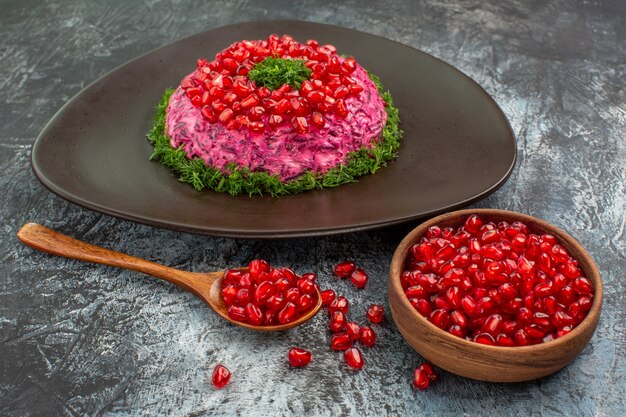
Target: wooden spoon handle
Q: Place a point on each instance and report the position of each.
(47, 240)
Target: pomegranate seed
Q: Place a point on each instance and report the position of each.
(582, 286)
(359, 278)
(275, 302)
(254, 314)
(263, 291)
(258, 266)
(375, 313)
(368, 336)
(229, 294)
(337, 321)
(243, 297)
(504, 340)
(473, 224)
(287, 314)
(354, 358)
(328, 296)
(340, 341)
(340, 108)
(429, 371)
(420, 379)
(221, 376)
(423, 307)
(339, 304)
(317, 119)
(485, 339)
(299, 357)
(237, 313)
(354, 330)
(306, 286)
(300, 124)
(292, 294)
(305, 302)
(344, 269)
(440, 318)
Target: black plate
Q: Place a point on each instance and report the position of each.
(458, 145)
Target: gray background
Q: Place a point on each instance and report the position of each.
(79, 339)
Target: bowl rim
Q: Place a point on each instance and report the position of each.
(587, 325)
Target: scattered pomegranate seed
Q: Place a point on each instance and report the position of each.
(339, 304)
(344, 269)
(420, 379)
(221, 376)
(340, 341)
(429, 371)
(328, 296)
(359, 278)
(368, 336)
(354, 358)
(375, 313)
(496, 284)
(299, 357)
(338, 321)
(354, 330)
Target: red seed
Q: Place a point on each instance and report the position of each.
(300, 124)
(306, 286)
(237, 313)
(368, 336)
(243, 297)
(473, 224)
(420, 379)
(423, 307)
(354, 358)
(440, 318)
(339, 304)
(338, 321)
(287, 314)
(340, 341)
(359, 278)
(354, 330)
(258, 266)
(229, 294)
(263, 291)
(344, 269)
(328, 296)
(299, 357)
(485, 339)
(254, 314)
(429, 370)
(275, 302)
(375, 313)
(292, 294)
(221, 376)
(582, 286)
(305, 303)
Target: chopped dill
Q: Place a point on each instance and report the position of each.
(240, 180)
(274, 72)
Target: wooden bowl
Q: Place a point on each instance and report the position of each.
(483, 362)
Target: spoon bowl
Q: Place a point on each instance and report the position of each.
(206, 286)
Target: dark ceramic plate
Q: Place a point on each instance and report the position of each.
(458, 145)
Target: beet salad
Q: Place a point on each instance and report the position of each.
(276, 117)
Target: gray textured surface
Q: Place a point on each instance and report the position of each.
(79, 339)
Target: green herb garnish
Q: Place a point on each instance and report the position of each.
(274, 72)
(239, 180)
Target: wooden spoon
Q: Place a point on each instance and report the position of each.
(206, 286)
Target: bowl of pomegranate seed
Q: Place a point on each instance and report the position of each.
(494, 295)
